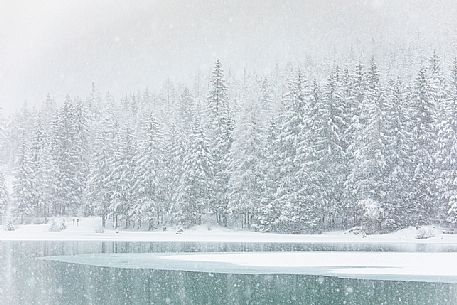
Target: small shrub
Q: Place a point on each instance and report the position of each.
(9, 227)
(357, 231)
(57, 226)
(424, 233)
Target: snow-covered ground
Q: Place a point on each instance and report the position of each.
(88, 226)
(406, 266)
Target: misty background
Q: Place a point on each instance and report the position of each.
(61, 47)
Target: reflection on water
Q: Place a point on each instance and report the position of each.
(25, 280)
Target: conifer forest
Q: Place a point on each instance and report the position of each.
(282, 152)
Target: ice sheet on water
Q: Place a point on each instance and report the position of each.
(409, 266)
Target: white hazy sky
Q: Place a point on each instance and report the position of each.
(60, 47)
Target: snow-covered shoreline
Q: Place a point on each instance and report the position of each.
(86, 232)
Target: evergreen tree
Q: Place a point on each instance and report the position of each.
(368, 151)
(176, 140)
(80, 149)
(37, 151)
(298, 213)
(67, 158)
(220, 130)
(245, 184)
(122, 177)
(354, 90)
(422, 113)
(396, 140)
(327, 156)
(195, 184)
(447, 183)
(149, 170)
(100, 172)
(268, 211)
(23, 183)
(4, 196)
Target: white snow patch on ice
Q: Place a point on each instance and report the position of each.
(405, 266)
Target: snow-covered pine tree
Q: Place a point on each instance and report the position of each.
(149, 163)
(4, 196)
(175, 142)
(422, 114)
(219, 132)
(67, 160)
(195, 184)
(99, 192)
(327, 168)
(368, 150)
(342, 91)
(266, 120)
(81, 150)
(268, 210)
(397, 142)
(245, 185)
(122, 177)
(46, 167)
(354, 89)
(447, 187)
(23, 182)
(442, 124)
(298, 213)
(36, 154)
(267, 106)
(186, 109)
(4, 145)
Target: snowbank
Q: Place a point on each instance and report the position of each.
(88, 226)
(429, 267)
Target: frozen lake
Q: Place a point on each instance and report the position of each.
(90, 272)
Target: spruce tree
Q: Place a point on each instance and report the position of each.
(447, 183)
(195, 184)
(328, 127)
(220, 130)
(23, 183)
(149, 170)
(397, 143)
(295, 201)
(4, 196)
(245, 184)
(99, 177)
(268, 211)
(422, 113)
(368, 151)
